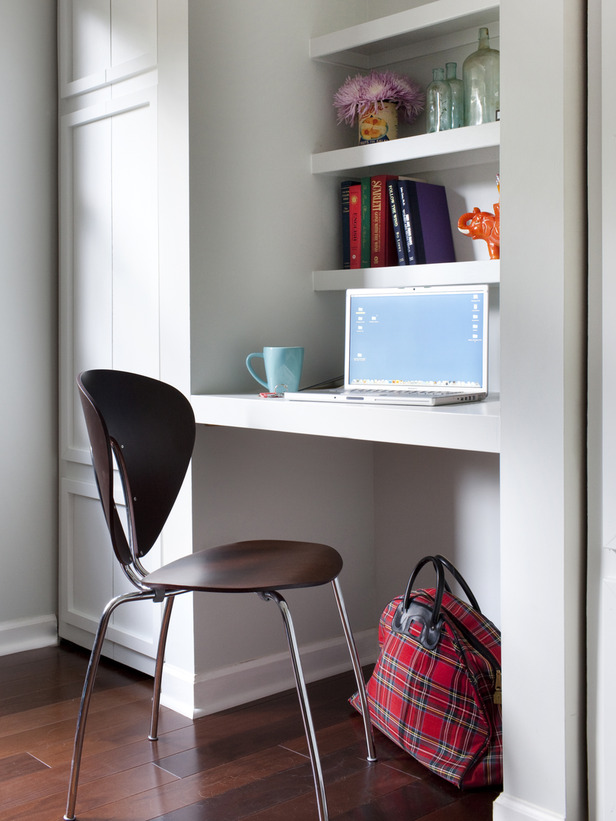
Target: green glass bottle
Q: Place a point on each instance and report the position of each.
(456, 87)
(438, 103)
(481, 77)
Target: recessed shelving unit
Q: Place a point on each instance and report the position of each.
(433, 27)
(438, 26)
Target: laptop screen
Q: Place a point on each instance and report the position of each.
(417, 338)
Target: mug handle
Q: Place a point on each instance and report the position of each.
(251, 371)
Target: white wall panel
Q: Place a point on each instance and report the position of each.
(105, 41)
(133, 30)
(109, 249)
(86, 578)
(89, 38)
(135, 241)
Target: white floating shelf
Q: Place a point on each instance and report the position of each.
(472, 145)
(455, 273)
(407, 34)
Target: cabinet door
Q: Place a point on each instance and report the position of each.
(109, 273)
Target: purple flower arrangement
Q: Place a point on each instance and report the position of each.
(362, 93)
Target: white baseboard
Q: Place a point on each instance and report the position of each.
(28, 634)
(508, 808)
(227, 687)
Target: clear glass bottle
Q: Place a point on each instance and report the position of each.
(480, 74)
(438, 103)
(456, 87)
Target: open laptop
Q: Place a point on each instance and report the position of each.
(413, 346)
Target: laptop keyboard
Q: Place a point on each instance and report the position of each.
(410, 394)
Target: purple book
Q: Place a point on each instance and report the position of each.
(430, 222)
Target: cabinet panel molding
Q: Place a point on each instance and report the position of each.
(108, 247)
(104, 42)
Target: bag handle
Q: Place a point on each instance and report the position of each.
(440, 585)
(429, 616)
(461, 581)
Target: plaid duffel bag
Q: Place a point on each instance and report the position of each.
(435, 689)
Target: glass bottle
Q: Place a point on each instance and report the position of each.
(438, 102)
(456, 87)
(480, 74)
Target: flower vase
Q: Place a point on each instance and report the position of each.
(379, 124)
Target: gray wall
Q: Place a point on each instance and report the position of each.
(28, 272)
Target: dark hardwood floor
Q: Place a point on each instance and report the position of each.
(249, 762)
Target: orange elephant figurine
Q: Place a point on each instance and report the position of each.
(483, 225)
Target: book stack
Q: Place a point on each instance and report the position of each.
(391, 220)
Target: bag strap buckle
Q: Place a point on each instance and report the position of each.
(415, 613)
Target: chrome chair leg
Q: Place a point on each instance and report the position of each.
(359, 676)
(86, 697)
(160, 661)
(302, 693)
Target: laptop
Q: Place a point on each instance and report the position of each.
(412, 346)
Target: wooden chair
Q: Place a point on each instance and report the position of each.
(148, 428)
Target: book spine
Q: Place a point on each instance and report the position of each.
(382, 243)
(355, 233)
(407, 230)
(431, 221)
(365, 222)
(345, 224)
(416, 226)
(396, 217)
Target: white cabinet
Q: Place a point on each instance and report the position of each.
(114, 300)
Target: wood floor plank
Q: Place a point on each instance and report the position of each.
(220, 751)
(106, 729)
(291, 795)
(56, 711)
(18, 765)
(31, 685)
(194, 789)
(92, 795)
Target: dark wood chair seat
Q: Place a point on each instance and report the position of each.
(250, 567)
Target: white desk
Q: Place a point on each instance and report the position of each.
(474, 427)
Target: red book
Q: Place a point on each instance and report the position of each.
(355, 225)
(382, 239)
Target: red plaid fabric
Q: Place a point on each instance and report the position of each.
(440, 705)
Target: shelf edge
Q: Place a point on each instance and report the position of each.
(421, 147)
(427, 20)
(475, 272)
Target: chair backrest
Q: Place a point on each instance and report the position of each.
(149, 427)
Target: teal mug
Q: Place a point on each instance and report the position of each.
(283, 368)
